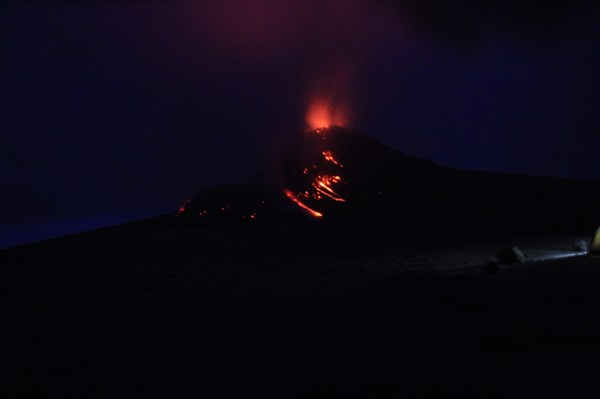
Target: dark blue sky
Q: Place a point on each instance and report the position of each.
(113, 111)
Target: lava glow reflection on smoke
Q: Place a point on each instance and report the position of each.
(322, 113)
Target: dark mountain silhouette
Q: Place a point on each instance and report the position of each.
(247, 293)
(342, 175)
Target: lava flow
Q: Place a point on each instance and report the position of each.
(315, 180)
(329, 157)
(320, 181)
(295, 199)
(323, 186)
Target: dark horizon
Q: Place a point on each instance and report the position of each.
(118, 111)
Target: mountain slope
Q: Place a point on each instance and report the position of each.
(336, 174)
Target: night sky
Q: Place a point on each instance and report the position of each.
(114, 111)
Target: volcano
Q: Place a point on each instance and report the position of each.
(345, 267)
(336, 175)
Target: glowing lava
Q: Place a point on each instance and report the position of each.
(320, 180)
(323, 186)
(295, 199)
(182, 208)
(322, 113)
(329, 157)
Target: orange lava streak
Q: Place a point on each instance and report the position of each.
(332, 196)
(328, 155)
(323, 185)
(293, 197)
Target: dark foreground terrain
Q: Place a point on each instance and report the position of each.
(151, 310)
